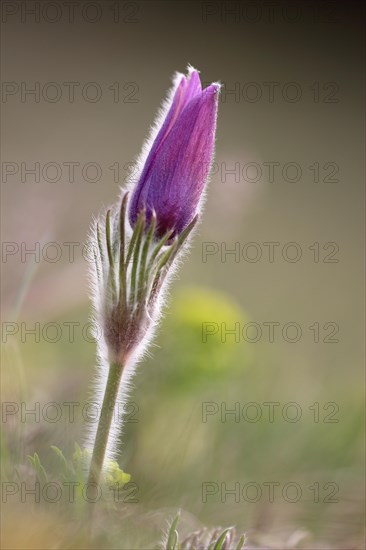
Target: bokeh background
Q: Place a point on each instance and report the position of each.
(311, 52)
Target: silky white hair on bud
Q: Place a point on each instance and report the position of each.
(99, 296)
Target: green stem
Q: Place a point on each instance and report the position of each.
(105, 421)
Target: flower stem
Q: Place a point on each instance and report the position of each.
(105, 421)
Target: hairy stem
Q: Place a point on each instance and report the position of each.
(105, 421)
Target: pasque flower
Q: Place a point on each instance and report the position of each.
(175, 172)
(136, 244)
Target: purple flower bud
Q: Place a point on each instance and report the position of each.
(178, 162)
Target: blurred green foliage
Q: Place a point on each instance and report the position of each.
(171, 446)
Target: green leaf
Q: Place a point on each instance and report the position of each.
(59, 453)
(136, 256)
(108, 235)
(114, 476)
(38, 468)
(241, 542)
(64, 462)
(184, 235)
(157, 249)
(135, 233)
(159, 276)
(173, 534)
(98, 270)
(122, 266)
(221, 539)
(145, 250)
(100, 245)
(78, 452)
(167, 259)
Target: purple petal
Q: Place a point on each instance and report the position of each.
(194, 87)
(185, 91)
(176, 171)
(175, 109)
